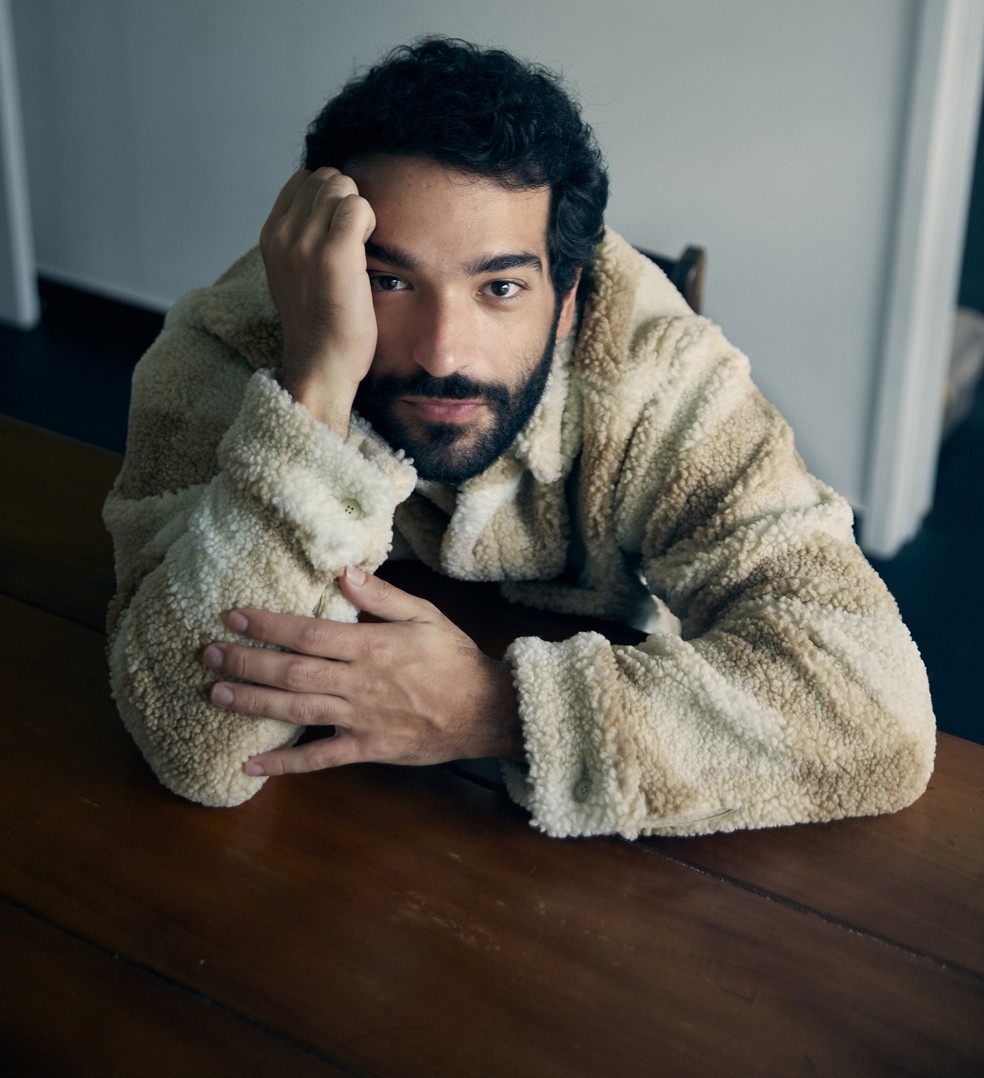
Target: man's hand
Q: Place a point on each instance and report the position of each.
(411, 688)
(313, 246)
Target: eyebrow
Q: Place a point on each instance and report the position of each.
(501, 263)
(396, 256)
(393, 256)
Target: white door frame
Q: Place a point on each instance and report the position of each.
(18, 287)
(942, 120)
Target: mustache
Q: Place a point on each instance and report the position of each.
(452, 387)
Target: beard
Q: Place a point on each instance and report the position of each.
(453, 452)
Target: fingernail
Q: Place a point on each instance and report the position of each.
(222, 695)
(355, 575)
(212, 656)
(239, 623)
(254, 769)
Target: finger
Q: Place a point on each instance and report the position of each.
(353, 216)
(384, 600)
(326, 752)
(288, 193)
(307, 195)
(297, 632)
(318, 198)
(300, 709)
(277, 669)
(285, 200)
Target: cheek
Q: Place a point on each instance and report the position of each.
(391, 342)
(516, 332)
(521, 346)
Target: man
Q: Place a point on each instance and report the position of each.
(443, 351)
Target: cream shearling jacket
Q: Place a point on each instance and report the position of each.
(653, 485)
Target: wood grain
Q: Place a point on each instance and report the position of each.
(406, 921)
(68, 1007)
(915, 878)
(55, 552)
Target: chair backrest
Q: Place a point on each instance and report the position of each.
(686, 272)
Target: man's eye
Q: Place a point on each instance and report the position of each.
(503, 289)
(385, 282)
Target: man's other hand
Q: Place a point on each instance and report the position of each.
(313, 247)
(411, 688)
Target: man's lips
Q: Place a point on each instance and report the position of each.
(444, 409)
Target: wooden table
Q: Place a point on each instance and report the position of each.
(410, 922)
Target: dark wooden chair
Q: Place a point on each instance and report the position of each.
(686, 272)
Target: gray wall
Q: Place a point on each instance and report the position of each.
(767, 130)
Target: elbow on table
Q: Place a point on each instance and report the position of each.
(196, 750)
(915, 751)
(198, 769)
(219, 788)
(891, 766)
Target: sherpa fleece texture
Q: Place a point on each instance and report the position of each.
(653, 484)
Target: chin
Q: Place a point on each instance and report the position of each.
(447, 463)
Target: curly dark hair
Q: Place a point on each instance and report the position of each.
(484, 112)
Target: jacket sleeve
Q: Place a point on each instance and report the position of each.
(793, 691)
(267, 514)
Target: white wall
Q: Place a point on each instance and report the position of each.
(767, 130)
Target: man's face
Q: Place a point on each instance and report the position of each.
(466, 312)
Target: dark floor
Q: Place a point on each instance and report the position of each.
(72, 374)
(938, 580)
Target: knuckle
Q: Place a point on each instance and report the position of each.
(326, 676)
(307, 711)
(352, 211)
(375, 648)
(345, 187)
(321, 753)
(430, 610)
(296, 674)
(384, 589)
(237, 661)
(245, 701)
(353, 202)
(312, 638)
(335, 187)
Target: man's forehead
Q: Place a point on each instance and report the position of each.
(425, 209)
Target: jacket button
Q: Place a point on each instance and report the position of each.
(351, 508)
(582, 790)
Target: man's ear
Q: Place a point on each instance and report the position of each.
(567, 307)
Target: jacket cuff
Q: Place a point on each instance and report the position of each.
(337, 496)
(570, 784)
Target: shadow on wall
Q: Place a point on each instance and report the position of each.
(972, 272)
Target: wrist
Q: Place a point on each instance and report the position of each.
(503, 712)
(329, 403)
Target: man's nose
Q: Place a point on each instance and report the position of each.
(444, 338)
